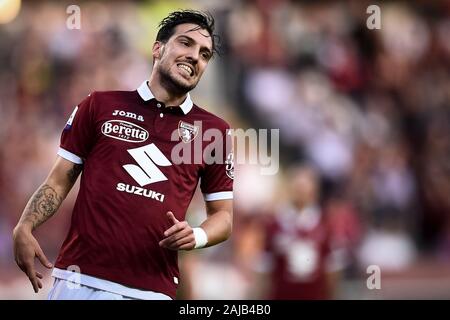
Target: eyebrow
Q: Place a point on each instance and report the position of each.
(204, 48)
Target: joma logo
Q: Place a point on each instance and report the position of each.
(128, 115)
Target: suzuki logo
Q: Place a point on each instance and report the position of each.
(147, 157)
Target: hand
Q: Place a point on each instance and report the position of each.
(179, 236)
(26, 248)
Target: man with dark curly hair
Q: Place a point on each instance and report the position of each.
(128, 222)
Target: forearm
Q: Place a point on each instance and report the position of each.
(218, 227)
(44, 203)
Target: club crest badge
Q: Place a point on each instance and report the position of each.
(187, 132)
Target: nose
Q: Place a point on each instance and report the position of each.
(193, 55)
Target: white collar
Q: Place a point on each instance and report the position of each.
(146, 95)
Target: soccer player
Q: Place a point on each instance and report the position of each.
(299, 256)
(128, 222)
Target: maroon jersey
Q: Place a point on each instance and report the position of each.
(125, 140)
(298, 246)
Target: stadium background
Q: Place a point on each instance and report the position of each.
(369, 108)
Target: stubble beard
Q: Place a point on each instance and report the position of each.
(174, 85)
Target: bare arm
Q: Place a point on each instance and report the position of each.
(48, 197)
(217, 227)
(219, 223)
(42, 205)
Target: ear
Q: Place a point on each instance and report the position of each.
(157, 50)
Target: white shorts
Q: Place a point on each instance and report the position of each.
(71, 285)
(65, 290)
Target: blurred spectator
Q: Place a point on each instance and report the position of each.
(300, 255)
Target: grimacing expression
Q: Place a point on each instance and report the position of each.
(182, 60)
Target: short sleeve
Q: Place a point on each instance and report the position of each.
(78, 134)
(217, 178)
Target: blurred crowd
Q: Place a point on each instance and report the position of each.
(364, 135)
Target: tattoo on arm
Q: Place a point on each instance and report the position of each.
(44, 203)
(73, 173)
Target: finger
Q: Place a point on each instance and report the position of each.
(181, 243)
(175, 228)
(171, 217)
(42, 258)
(178, 236)
(35, 287)
(34, 283)
(187, 246)
(164, 243)
(39, 275)
(175, 245)
(29, 270)
(28, 267)
(21, 266)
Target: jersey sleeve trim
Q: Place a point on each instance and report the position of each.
(223, 195)
(70, 156)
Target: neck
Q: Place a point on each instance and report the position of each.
(161, 93)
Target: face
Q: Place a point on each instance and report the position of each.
(304, 187)
(182, 60)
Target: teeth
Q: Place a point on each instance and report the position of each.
(185, 67)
